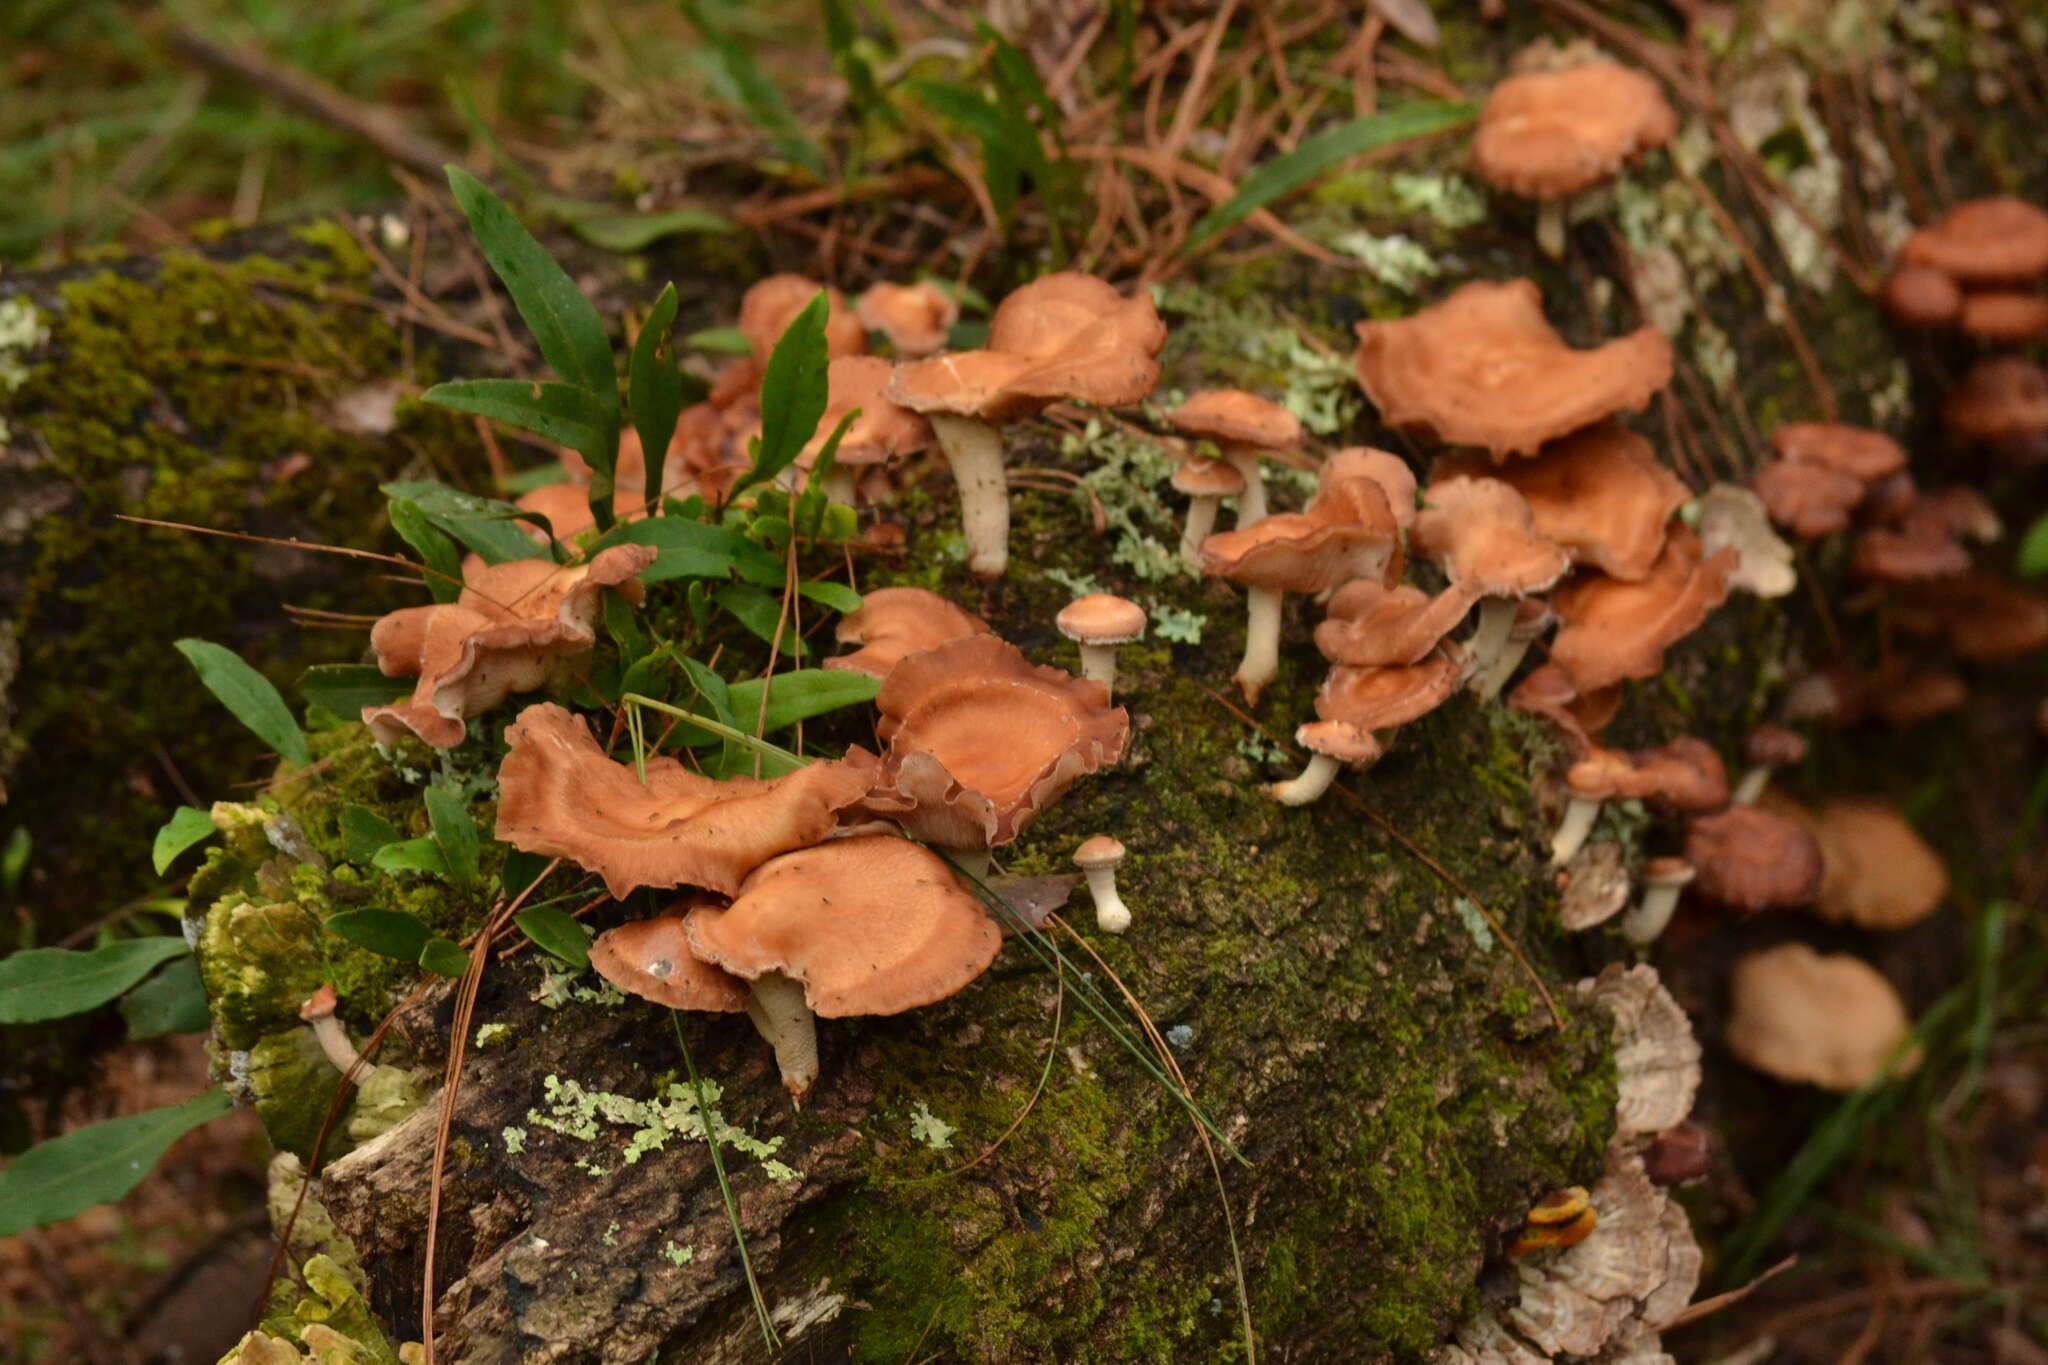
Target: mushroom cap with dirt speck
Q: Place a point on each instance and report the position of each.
(915, 317)
(1547, 134)
(1999, 398)
(1684, 775)
(1375, 698)
(1481, 532)
(1809, 500)
(1208, 478)
(981, 740)
(1922, 297)
(1101, 618)
(1600, 493)
(1239, 418)
(1876, 870)
(873, 925)
(891, 623)
(560, 796)
(1830, 1021)
(1369, 625)
(1347, 531)
(1751, 859)
(883, 433)
(1384, 468)
(1101, 851)
(1485, 368)
(1656, 1057)
(1612, 630)
(652, 959)
(1983, 241)
(1859, 452)
(770, 305)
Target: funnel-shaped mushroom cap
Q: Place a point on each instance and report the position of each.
(767, 309)
(1828, 1021)
(1481, 532)
(1809, 500)
(1921, 296)
(1983, 241)
(1546, 134)
(1750, 859)
(883, 433)
(915, 317)
(1656, 1058)
(1859, 452)
(651, 958)
(1876, 870)
(1548, 691)
(559, 795)
(1999, 398)
(503, 634)
(872, 925)
(1347, 531)
(1615, 630)
(1371, 626)
(1982, 617)
(1375, 698)
(1600, 493)
(894, 622)
(981, 740)
(1237, 418)
(1064, 336)
(1384, 468)
(1484, 368)
(1208, 478)
(1685, 775)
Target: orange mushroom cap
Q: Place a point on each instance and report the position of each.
(1239, 418)
(1485, 368)
(2004, 316)
(651, 958)
(1384, 468)
(1809, 500)
(560, 796)
(1997, 399)
(1685, 775)
(1101, 618)
(1547, 134)
(1347, 531)
(915, 317)
(1751, 859)
(1548, 691)
(1859, 452)
(1207, 478)
(769, 306)
(1373, 626)
(1338, 739)
(883, 433)
(1612, 630)
(1983, 241)
(1907, 555)
(1375, 698)
(1481, 532)
(981, 741)
(873, 925)
(891, 623)
(1921, 296)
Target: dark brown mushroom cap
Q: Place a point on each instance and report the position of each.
(1983, 241)
(1485, 368)
(893, 622)
(1921, 296)
(1861, 453)
(1546, 134)
(1685, 775)
(558, 795)
(1375, 698)
(1998, 398)
(1600, 493)
(1750, 859)
(1373, 626)
(1982, 617)
(871, 925)
(651, 958)
(883, 433)
(1208, 478)
(915, 317)
(1809, 500)
(2004, 317)
(1101, 618)
(981, 740)
(1774, 746)
(1612, 630)
(1883, 554)
(1384, 468)
(769, 306)
(1347, 531)
(1958, 511)
(1238, 418)
(1481, 532)
(1678, 1156)
(1341, 740)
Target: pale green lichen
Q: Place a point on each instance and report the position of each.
(928, 1128)
(1451, 201)
(1475, 924)
(584, 1115)
(1395, 260)
(515, 1140)
(1177, 624)
(489, 1034)
(676, 1255)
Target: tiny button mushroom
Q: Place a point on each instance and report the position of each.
(1207, 483)
(1684, 775)
(2001, 402)
(1098, 623)
(1244, 426)
(1331, 744)
(1767, 749)
(1098, 860)
(1680, 1155)
(329, 1032)
(1663, 880)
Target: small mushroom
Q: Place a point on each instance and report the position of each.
(883, 434)
(2001, 402)
(1982, 618)
(2004, 316)
(1680, 1155)
(1684, 775)
(329, 1032)
(1988, 241)
(1355, 703)
(1768, 748)
(1098, 859)
(1481, 533)
(1549, 692)
(1831, 1021)
(1370, 625)
(915, 317)
(1750, 859)
(652, 959)
(1809, 500)
(892, 623)
(770, 305)
(1663, 880)
(1656, 1057)
(1534, 616)
(1612, 630)
(1244, 427)
(1207, 483)
(1921, 297)
(1862, 453)
(1876, 870)
(1099, 622)
(1331, 745)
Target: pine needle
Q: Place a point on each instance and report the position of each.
(709, 1119)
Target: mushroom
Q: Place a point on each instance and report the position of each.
(1549, 135)
(2001, 402)
(1098, 623)
(1481, 533)
(1533, 617)
(502, 634)
(1064, 336)
(329, 1032)
(1809, 500)
(1331, 745)
(1207, 483)
(1663, 880)
(1485, 368)
(1831, 1021)
(915, 317)
(652, 959)
(1734, 519)
(1684, 775)
(1612, 630)
(891, 623)
(558, 795)
(1859, 452)
(1983, 242)
(2000, 316)
(872, 925)
(1768, 748)
(1370, 625)
(1356, 702)
(1549, 692)
(1384, 468)
(1750, 859)
(1098, 859)
(1656, 1057)
(1680, 1155)
(1562, 1218)
(1347, 531)
(1244, 426)
(981, 740)
(770, 305)
(881, 435)
(567, 505)
(1876, 870)
(1922, 297)
(1981, 617)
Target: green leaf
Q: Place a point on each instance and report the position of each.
(520, 482)
(14, 857)
(557, 933)
(719, 341)
(837, 596)
(759, 613)
(412, 855)
(793, 395)
(654, 390)
(387, 933)
(363, 832)
(564, 413)
(628, 232)
(346, 689)
(439, 553)
(95, 1164)
(564, 324)
(1002, 157)
(444, 957)
(521, 870)
(1322, 152)
(694, 549)
(757, 94)
(54, 983)
(485, 525)
(187, 826)
(172, 1001)
(455, 833)
(799, 695)
(249, 695)
(2032, 561)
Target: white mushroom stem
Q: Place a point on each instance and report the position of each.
(1550, 224)
(1251, 504)
(783, 1017)
(1315, 779)
(975, 451)
(333, 1039)
(839, 484)
(1754, 780)
(1494, 634)
(1201, 523)
(1579, 816)
(1112, 916)
(1645, 922)
(1098, 664)
(1261, 641)
(1492, 678)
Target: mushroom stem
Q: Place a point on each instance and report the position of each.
(1112, 916)
(1261, 641)
(1201, 522)
(1491, 639)
(1754, 780)
(839, 484)
(1646, 921)
(333, 1039)
(1315, 779)
(974, 449)
(783, 1017)
(1098, 664)
(1491, 679)
(1251, 504)
(1550, 224)
(1579, 816)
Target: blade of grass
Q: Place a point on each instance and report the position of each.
(709, 1119)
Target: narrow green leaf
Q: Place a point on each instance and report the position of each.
(387, 933)
(187, 826)
(95, 1164)
(2032, 561)
(443, 957)
(345, 689)
(485, 525)
(14, 856)
(793, 395)
(172, 1001)
(629, 232)
(520, 482)
(521, 870)
(719, 341)
(837, 596)
(759, 613)
(565, 413)
(455, 833)
(1320, 153)
(249, 696)
(434, 547)
(55, 983)
(1002, 156)
(567, 328)
(412, 855)
(555, 932)
(654, 390)
(363, 832)
(800, 694)
(757, 94)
